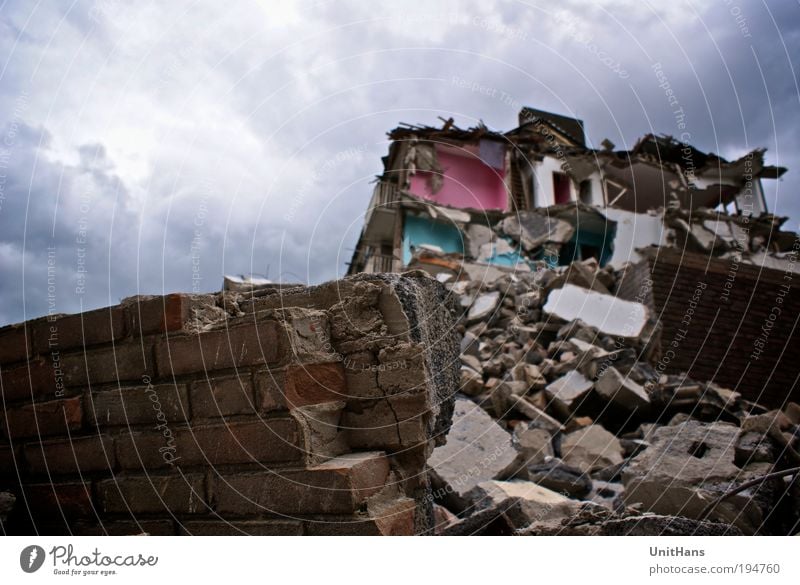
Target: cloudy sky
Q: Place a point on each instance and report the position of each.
(149, 147)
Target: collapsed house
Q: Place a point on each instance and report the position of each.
(441, 186)
(476, 206)
(621, 346)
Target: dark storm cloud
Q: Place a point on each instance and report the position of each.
(196, 142)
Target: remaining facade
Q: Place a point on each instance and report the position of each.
(440, 186)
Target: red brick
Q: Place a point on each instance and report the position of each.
(301, 385)
(402, 369)
(217, 397)
(158, 314)
(55, 417)
(148, 404)
(770, 380)
(242, 528)
(396, 423)
(64, 332)
(15, 343)
(178, 494)
(10, 460)
(338, 486)
(78, 455)
(314, 384)
(145, 450)
(270, 390)
(51, 500)
(37, 377)
(125, 528)
(263, 441)
(355, 525)
(125, 362)
(395, 520)
(361, 374)
(398, 520)
(244, 345)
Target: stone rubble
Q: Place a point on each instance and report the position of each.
(477, 450)
(561, 411)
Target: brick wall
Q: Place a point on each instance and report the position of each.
(717, 334)
(302, 411)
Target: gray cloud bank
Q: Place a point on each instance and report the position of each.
(146, 149)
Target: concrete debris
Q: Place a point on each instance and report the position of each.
(687, 465)
(494, 249)
(792, 412)
(534, 445)
(504, 519)
(608, 494)
(537, 503)
(477, 450)
(591, 448)
(531, 375)
(483, 307)
(583, 274)
(570, 374)
(533, 230)
(470, 345)
(562, 391)
(471, 381)
(747, 239)
(562, 478)
(753, 447)
(538, 417)
(568, 390)
(472, 362)
(443, 519)
(587, 348)
(587, 522)
(609, 314)
(478, 236)
(621, 390)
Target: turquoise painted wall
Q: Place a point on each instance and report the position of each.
(421, 230)
(508, 259)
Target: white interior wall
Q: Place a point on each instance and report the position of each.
(634, 230)
(597, 189)
(543, 195)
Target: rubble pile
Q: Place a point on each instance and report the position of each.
(565, 424)
(526, 240)
(614, 307)
(755, 240)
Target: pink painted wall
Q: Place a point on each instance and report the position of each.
(468, 182)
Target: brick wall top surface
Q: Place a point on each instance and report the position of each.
(733, 324)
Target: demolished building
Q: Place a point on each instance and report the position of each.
(618, 314)
(582, 342)
(437, 180)
(476, 205)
